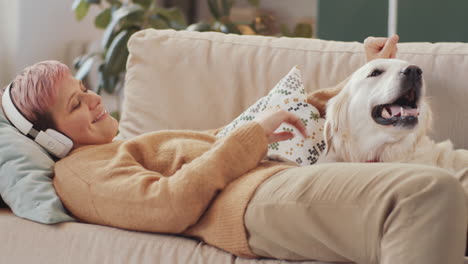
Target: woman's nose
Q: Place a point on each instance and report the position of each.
(92, 99)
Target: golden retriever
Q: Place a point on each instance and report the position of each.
(382, 115)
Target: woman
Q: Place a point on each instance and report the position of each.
(225, 193)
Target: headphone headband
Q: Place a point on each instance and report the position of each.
(54, 142)
(13, 114)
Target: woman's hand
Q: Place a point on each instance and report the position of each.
(270, 120)
(381, 48)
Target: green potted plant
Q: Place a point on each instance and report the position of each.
(121, 18)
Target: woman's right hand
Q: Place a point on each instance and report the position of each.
(271, 119)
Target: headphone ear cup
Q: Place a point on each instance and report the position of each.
(59, 136)
(56, 143)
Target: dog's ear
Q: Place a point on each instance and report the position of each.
(320, 98)
(336, 116)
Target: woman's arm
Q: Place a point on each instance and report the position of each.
(123, 193)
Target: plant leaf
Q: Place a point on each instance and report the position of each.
(78, 61)
(226, 6)
(103, 18)
(80, 7)
(109, 34)
(116, 115)
(303, 30)
(107, 81)
(85, 68)
(117, 16)
(174, 17)
(125, 11)
(255, 3)
(158, 22)
(285, 31)
(177, 19)
(229, 28)
(117, 52)
(225, 27)
(112, 82)
(214, 9)
(200, 26)
(144, 3)
(116, 58)
(113, 2)
(101, 78)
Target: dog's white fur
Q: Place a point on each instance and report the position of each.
(353, 136)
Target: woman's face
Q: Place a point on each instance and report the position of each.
(80, 114)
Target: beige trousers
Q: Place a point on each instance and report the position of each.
(364, 213)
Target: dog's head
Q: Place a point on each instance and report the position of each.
(382, 103)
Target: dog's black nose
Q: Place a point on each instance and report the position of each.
(411, 84)
(412, 72)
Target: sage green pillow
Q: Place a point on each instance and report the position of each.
(26, 172)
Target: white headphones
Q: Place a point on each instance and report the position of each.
(53, 141)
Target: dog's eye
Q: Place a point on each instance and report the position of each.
(375, 73)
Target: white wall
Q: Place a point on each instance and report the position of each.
(37, 30)
(8, 37)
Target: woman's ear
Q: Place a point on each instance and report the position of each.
(320, 98)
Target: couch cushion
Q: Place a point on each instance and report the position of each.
(77, 243)
(176, 78)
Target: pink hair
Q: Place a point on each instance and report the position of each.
(35, 88)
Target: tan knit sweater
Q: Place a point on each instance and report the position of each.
(170, 181)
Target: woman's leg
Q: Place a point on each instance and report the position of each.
(364, 213)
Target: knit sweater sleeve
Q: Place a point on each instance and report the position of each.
(137, 198)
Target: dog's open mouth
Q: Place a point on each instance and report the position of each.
(402, 112)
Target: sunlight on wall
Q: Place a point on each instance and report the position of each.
(40, 30)
(8, 37)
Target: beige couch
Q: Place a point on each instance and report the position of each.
(190, 80)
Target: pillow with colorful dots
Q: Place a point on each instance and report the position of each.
(289, 94)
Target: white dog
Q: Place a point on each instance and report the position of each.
(382, 115)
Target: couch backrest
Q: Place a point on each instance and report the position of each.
(193, 80)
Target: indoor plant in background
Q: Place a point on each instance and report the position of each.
(121, 18)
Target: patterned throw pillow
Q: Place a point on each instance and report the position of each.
(289, 94)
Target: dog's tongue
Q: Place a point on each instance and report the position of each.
(397, 110)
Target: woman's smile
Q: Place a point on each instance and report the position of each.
(101, 116)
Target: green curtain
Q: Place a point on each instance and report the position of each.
(418, 20)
